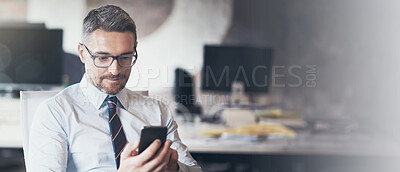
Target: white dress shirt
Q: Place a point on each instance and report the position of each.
(70, 131)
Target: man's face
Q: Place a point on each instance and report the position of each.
(102, 43)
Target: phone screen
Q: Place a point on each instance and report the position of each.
(151, 133)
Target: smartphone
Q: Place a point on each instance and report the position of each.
(151, 133)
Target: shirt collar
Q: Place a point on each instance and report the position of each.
(97, 97)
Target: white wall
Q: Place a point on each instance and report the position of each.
(61, 14)
(179, 42)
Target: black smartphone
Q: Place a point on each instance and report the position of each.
(151, 133)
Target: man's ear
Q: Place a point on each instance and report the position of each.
(80, 52)
(136, 44)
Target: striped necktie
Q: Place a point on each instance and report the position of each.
(116, 131)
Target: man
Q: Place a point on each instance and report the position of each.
(95, 125)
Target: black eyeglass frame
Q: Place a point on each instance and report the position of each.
(135, 55)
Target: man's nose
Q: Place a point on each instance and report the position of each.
(114, 68)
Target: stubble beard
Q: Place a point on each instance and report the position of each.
(113, 88)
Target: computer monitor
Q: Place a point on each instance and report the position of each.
(30, 59)
(224, 65)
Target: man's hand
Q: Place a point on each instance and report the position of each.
(172, 166)
(149, 160)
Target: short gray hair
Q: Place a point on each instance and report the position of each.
(110, 18)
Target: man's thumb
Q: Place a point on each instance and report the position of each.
(130, 150)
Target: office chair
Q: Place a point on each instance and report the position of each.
(30, 100)
(184, 93)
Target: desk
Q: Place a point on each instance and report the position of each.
(310, 145)
(300, 154)
(305, 142)
(307, 152)
(10, 124)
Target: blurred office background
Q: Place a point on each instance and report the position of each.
(351, 44)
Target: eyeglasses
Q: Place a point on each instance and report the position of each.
(127, 60)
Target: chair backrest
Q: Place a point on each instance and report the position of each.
(30, 100)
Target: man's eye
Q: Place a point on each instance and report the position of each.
(125, 57)
(103, 58)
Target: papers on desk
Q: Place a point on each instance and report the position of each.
(251, 132)
(291, 119)
(244, 137)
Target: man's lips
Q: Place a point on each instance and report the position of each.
(114, 78)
